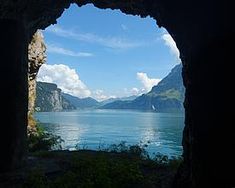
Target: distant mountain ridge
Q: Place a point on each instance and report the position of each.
(167, 96)
(81, 103)
(110, 100)
(51, 98)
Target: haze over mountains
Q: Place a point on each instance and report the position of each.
(167, 96)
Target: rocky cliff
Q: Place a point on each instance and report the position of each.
(36, 57)
(49, 98)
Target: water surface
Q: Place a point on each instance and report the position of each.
(94, 129)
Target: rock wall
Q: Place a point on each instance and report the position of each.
(49, 98)
(14, 87)
(204, 33)
(36, 57)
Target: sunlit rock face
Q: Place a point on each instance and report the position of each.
(36, 54)
(49, 98)
(203, 32)
(36, 57)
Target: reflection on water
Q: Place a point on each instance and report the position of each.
(162, 132)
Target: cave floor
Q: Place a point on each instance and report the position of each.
(88, 169)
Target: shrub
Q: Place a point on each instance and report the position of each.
(135, 150)
(41, 140)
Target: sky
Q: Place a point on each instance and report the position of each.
(106, 54)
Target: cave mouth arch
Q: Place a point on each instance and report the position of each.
(172, 61)
(201, 29)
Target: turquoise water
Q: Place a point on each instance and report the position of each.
(93, 129)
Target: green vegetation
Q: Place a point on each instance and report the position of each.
(134, 150)
(40, 140)
(118, 165)
(168, 94)
(91, 169)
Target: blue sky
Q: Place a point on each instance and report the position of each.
(105, 53)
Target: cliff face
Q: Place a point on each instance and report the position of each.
(49, 98)
(37, 57)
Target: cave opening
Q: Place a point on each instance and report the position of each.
(91, 62)
(203, 33)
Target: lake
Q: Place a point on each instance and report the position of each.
(94, 129)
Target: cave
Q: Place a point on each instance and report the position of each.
(204, 34)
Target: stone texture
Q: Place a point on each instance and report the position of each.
(36, 54)
(49, 98)
(203, 31)
(36, 58)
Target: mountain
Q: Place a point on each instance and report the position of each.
(111, 100)
(130, 98)
(81, 103)
(167, 96)
(49, 98)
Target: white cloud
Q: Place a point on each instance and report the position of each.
(100, 96)
(66, 79)
(132, 91)
(169, 41)
(135, 91)
(147, 82)
(51, 48)
(111, 42)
